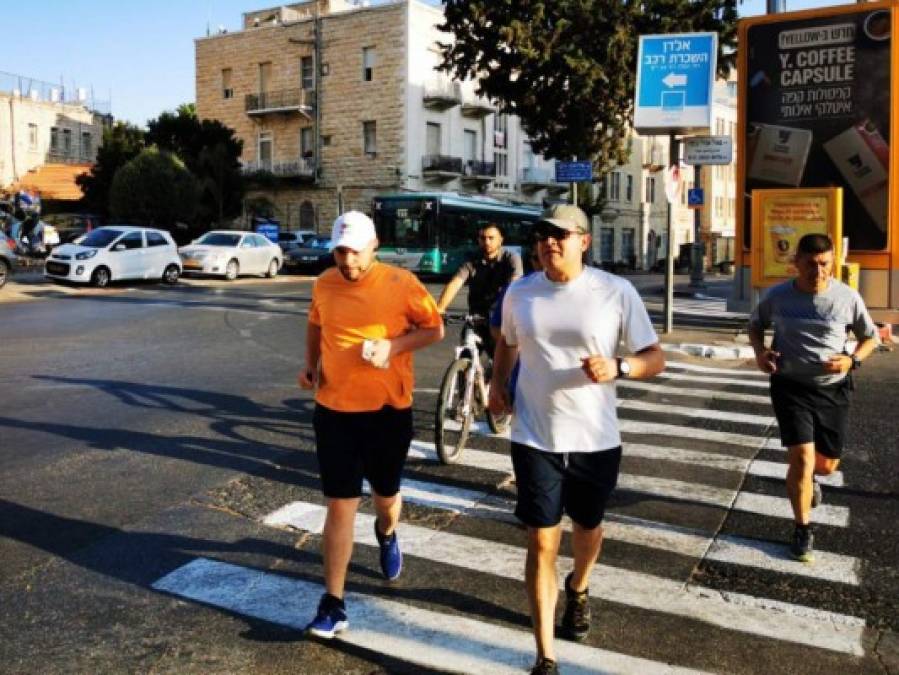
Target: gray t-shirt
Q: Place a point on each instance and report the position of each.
(809, 328)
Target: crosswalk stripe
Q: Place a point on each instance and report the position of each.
(419, 636)
(732, 611)
(713, 394)
(710, 379)
(696, 413)
(684, 365)
(777, 507)
(766, 469)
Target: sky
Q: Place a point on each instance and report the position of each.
(139, 55)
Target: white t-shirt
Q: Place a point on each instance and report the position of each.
(556, 325)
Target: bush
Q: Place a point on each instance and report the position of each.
(154, 189)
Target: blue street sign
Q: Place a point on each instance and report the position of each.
(574, 172)
(268, 230)
(695, 198)
(675, 78)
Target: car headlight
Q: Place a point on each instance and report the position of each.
(84, 255)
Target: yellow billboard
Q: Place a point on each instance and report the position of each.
(780, 218)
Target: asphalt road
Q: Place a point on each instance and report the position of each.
(147, 433)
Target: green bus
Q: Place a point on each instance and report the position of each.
(432, 233)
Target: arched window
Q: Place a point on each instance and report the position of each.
(307, 216)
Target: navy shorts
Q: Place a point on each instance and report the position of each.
(812, 414)
(576, 483)
(351, 446)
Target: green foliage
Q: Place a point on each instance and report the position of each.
(121, 143)
(567, 68)
(154, 188)
(211, 152)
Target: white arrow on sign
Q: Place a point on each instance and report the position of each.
(672, 80)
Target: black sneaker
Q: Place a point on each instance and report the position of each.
(802, 546)
(817, 493)
(391, 556)
(576, 619)
(330, 619)
(545, 666)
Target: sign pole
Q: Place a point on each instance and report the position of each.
(668, 325)
(698, 262)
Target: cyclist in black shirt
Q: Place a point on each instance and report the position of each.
(486, 274)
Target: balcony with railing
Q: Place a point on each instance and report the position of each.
(441, 93)
(532, 179)
(441, 167)
(478, 172)
(303, 167)
(281, 101)
(477, 107)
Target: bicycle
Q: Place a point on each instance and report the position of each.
(463, 394)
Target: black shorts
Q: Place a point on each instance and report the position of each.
(351, 446)
(578, 483)
(812, 414)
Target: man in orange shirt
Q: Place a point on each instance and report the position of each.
(365, 321)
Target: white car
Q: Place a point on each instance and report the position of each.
(116, 252)
(230, 253)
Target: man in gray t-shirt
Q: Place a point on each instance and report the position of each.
(809, 365)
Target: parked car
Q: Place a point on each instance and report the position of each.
(70, 226)
(288, 241)
(8, 258)
(229, 253)
(314, 256)
(116, 252)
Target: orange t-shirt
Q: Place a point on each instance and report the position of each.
(386, 303)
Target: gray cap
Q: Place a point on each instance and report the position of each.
(568, 217)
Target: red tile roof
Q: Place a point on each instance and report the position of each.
(54, 181)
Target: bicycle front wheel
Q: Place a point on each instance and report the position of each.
(452, 423)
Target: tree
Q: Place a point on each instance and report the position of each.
(211, 152)
(121, 143)
(567, 68)
(154, 188)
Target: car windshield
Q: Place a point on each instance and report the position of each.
(219, 239)
(319, 242)
(100, 238)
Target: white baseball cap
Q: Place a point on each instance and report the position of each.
(354, 230)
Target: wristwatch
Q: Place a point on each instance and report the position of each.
(856, 362)
(624, 368)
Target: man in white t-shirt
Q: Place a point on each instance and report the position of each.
(565, 325)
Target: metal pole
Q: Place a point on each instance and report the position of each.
(697, 263)
(776, 6)
(574, 193)
(668, 325)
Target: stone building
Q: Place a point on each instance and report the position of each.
(336, 103)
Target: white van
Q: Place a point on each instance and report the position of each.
(116, 252)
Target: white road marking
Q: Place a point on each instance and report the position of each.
(694, 457)
(716, 371)
(714, 394)
(436, 640)
(732, 611)
(710, 379)
(696, 413)
(766, 469)
(426, 390)
(779, 507)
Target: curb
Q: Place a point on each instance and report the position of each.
(736, 352)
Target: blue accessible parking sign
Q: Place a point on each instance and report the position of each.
(675, 77)
(695, 198)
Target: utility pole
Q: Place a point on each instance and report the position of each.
(673, 160)
(697, 259)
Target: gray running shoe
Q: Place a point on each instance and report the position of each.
(802, 546)
(817, 493)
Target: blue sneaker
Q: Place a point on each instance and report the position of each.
(391, 556)
(330, 619)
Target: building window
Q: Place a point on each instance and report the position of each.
(86, 144)
(32, 136)
(368, 64)
(607, 244)
(432, 139)
(500, 129)
(629, 190)
(469, 146)
(326, 141)
(627, 245)
(307, 73)
(264, 150)
(54, 139)
(67, 141)
(650, 190)
(614, 186)
(370, 137)
(265, 76)
(307, 149)
(227, 90)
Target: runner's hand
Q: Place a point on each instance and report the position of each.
(839, 363)
(498, 401)
(767, 361)
(599, 368)
(307, 378)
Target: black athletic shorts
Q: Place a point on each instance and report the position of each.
(578, 483)
(812, 414)
(351, 446)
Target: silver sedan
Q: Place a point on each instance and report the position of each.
(230, 253)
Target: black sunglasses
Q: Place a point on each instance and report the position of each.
(544, 231)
